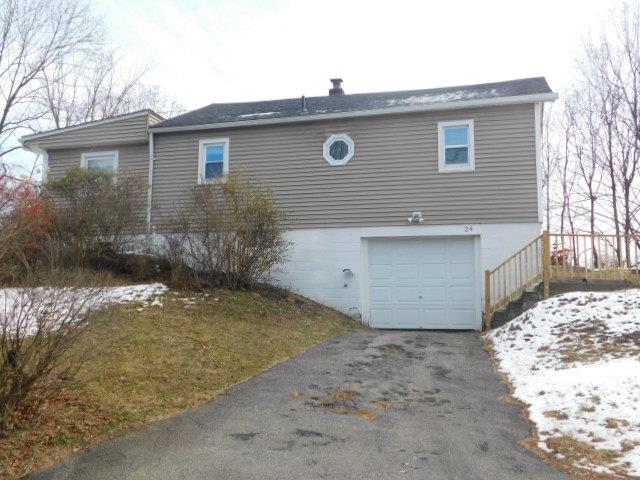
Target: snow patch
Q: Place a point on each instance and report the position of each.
(454, 96)
(575, 361)
(38, 301)
(258, 114)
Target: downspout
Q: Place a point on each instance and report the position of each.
(150, 190)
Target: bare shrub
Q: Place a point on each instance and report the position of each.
(96, 218)
(227, 234)
(38, 326)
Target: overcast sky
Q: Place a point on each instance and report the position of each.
(204, 51)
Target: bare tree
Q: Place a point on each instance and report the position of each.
(95, 85)
(596, 184)
(611, 71)
(586, 148)
(34, 34)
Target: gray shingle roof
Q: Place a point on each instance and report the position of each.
(292, 107)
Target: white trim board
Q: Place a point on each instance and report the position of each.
(326, 146)
(202, 180)
(470, 166)
(518, 99)
(84, 159)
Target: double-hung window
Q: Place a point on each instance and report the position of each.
(100, 161)
(214, 160)
(455, 146)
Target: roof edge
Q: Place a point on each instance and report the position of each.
(516, 99)
(37, 136)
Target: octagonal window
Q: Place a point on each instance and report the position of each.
(338, 149)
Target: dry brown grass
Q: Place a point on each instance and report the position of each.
(582, 453)
(556, 414)
(159, 361)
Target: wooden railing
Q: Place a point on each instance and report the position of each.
(506, 282)
(594, 257)
(561, 256)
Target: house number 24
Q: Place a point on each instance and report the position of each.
(468, 228)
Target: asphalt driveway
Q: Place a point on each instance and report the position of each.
(406, 405)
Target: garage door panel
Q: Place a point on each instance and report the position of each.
(462, 270)
(422, 283)
(463, 318)
(433, 270)
(433, 248)
(460, 246)
(407, 294)
(382, 317)
(434, 318)
(406, 271)
(461, 294)
(380, 272)
(381, 294)
(408, 317)
(434, 294)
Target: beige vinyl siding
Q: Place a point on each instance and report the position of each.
(154, 118)
(394, 170)
(127, 130)
(133, 160)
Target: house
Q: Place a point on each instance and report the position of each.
(397, 201)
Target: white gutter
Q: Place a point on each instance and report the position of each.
(150, 188)
(485, 102)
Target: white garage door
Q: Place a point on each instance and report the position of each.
(422, 283)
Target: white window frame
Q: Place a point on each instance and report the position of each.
(85, 156)
(327, 146)
(442, 165)
(202, 160)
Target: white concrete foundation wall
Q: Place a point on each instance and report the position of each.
(318, 257)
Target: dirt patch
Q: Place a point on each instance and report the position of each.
(343, 396)
(343, 403)
(382, 405)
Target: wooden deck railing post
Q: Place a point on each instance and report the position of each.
(487, 300)
(546, 263)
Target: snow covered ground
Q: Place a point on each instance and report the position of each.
(575, 361)
(32, 305)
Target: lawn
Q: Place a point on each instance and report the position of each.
(153, 362)
(574, 362)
